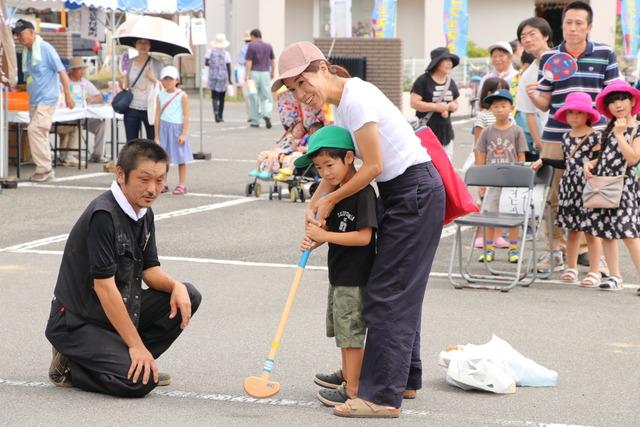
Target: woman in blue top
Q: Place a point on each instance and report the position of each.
(410, 221)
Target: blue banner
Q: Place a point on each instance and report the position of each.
(383, 19)
(456, 25)
(630, 24)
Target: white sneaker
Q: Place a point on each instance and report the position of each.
(545, 264)
(69, 161)
(43, 176)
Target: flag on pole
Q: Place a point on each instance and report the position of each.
(456, 28)
(630, 25)
(383, 19)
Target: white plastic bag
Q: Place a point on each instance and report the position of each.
(481, 374)
(152, 99)
(204, 77)
(466, 365)
(231, 90)
(251, 86)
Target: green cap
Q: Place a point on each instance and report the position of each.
(326, 137)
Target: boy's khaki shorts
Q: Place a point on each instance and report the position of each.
(344, 316)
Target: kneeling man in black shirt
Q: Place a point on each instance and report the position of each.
(106, 330)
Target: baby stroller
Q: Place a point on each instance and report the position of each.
(290, 112)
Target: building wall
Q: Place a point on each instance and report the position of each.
(491, 20)
(272, 23)
(604, 21)
(299, 21)
(384, 61)
(410, 18)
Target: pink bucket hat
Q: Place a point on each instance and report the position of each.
(294, 60)
(617, 86)
(577, 101)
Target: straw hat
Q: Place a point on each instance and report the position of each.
(247, 36)
(220, 41)
(77, 62)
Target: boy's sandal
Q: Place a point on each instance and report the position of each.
(570, 275)
(333, 397)
(165, 189)
(591, 280)
(611, 283)
(179, 190)
(359, 408)
(333, 380)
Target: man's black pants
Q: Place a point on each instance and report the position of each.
(99, 358)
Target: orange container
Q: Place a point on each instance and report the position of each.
(18, 101)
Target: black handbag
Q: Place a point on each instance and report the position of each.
(122, 100)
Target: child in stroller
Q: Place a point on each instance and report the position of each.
(277, 164)
(297, 177)
(270, 161)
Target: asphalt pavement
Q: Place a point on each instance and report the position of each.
(241, 252)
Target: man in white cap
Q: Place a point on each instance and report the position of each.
(85, 93)
(502, 61)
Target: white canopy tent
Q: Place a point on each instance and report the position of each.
(141, 6)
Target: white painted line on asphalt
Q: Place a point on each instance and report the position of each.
(24, 247)
(78, 177)
(217, 397)
(36, 243)
(90, 188)
(173, 214)
(205, 208)
(463, 121)
(436, 274)
(217, 159)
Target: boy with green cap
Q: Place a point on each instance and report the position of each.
(349, 231)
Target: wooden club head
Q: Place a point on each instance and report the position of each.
(260, 388)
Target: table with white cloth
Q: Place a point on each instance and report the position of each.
(63, 117)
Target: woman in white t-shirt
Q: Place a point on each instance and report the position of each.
(411, 215)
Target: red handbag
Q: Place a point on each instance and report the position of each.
(458, 199)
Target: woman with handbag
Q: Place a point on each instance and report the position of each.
(434, 95)
(580, 144)
(140, 80)
(612, 190)
(218, 60)
(411, 212)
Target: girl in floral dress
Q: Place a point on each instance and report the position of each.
(619, 155)
(578, 145)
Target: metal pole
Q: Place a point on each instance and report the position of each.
(114, 123)
(199, 62)
(4, 152)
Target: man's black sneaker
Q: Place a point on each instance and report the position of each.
(163, 379)
(267, 122)
(334, 397)
(59, 373)
(331, 381)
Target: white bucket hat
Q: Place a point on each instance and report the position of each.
(220, 41)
